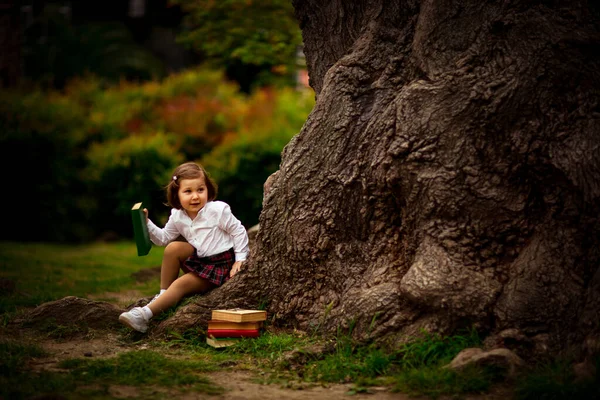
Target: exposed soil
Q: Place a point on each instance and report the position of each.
(242, 384)
(239, 383)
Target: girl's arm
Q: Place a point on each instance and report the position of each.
(162, 237)
(230, 224)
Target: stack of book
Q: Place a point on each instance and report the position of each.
(226, 327)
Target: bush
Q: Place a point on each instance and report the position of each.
(41, 152)
(87, 153)
(107, 49)
(127, 171)
(243, 162)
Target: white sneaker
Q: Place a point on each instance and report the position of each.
(135, 319)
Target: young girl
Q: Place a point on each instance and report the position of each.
(217, 243)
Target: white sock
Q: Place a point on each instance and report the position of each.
(162, 291)
(147, 312)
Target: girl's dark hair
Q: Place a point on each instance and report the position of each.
(188, 170)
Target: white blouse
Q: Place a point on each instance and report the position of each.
(214, 230)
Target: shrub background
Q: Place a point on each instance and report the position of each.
(74, 161)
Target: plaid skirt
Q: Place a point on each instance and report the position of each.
(213, 268)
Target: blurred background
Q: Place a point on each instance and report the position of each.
(100, 100)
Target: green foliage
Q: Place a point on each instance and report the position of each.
(242, 163)
(126, 171)
(56, 50)
(41, 148)
(196, 105)
(93, 149)
(255, 32)
(241, 34)
(241, 170)
(254, 41)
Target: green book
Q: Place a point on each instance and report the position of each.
(140, 230)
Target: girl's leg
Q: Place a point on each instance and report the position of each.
(184, 285)
(175, 254)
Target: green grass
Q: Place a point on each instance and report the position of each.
(267, 349)
(415, 368)
(421, 364)
(13, 356)
(350, 362)
(143, 369)
(56, 271)
(148, 371)
(16, 379)
(435, 381)
(45, 272)
(432, 349)
(269, 346)
(555, 380)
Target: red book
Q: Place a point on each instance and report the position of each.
(220, 333)
(215, 324)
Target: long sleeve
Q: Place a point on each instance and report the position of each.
(230, 224)
(162, 237)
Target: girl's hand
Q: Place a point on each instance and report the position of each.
(235, 268)
(146, 213)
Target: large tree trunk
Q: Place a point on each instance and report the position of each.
(448, 175)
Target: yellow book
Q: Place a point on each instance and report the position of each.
(239, 315)
(221, 342)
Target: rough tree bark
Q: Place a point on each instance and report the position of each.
(448, 175)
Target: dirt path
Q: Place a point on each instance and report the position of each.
(238, 384)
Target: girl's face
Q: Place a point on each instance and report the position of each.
(193, 195)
